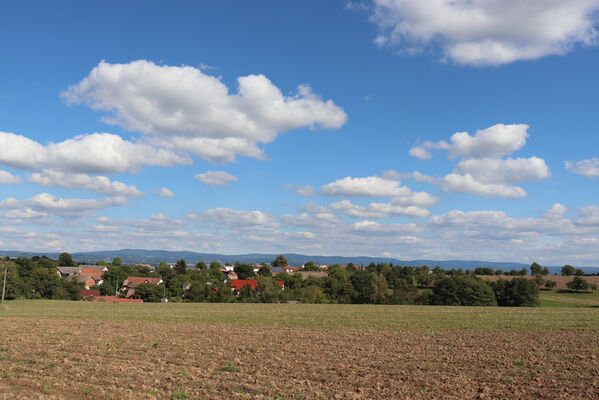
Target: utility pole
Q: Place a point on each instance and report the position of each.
(4, 283)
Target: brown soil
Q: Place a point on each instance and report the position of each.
(76, 359)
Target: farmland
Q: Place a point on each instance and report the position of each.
(57, 349)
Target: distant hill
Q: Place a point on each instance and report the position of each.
(131, 256)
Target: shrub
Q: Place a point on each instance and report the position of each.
(549, 284)
(517, 292)
(578, 284)
(462, 290)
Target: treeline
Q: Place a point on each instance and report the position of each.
(36, 278)
(381, 283)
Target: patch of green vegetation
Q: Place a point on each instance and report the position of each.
(179, 395)
(322, 316)
(46, 390)
(229, 367)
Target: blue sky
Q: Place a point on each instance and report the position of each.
(434, 129)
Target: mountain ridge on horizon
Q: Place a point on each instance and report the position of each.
(191, 257)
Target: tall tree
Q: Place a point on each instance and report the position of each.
(65, 260)
(280, 261)
(180, 267)
(568, 270)
(536, 269)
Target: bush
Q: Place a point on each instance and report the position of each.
(549, 284)
(462, 290)
(578, 284)
(517, 292)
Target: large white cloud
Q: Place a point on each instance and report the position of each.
(99, 184)
(216, 178)
(484, 169)
(589, 167)
(508, 170)
(93, 153)
(486, 32)
(49, 205)
(198, 110)
(495, 141)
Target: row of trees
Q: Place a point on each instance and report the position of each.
(377, 284)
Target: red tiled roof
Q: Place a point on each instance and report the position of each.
(238, 284)
(89, 293)
(138, 280)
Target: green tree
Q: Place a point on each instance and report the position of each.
(310, 266)
(44, 282)
(536, 269)
(197, 292)
(463, 290)
(568, 270)
(65, 260)
(549, 284)
(517, 292)
(264, 271)
(245, 271)
(578, 272)
(117, 261)
(578, 284)
(268, 289)
(312, 294)
(25, 267)
(180, 267)
(539, 280)
(201, 265)
(14, 284)
(149, 293)
(377, 289)
(545, 271)
(215, 264)
(70, 289)
(280, 261)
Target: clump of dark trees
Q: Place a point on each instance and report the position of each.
(382, 283)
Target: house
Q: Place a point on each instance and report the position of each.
(232, 276)
(65, 272)
(89, 294)
(227, 268)
(290, 270)
(87, 280)
(238, 284)
(98, 268)
(131, 282)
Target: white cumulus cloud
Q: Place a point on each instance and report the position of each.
(196, 112)
(99, 184)
(164, 192)
(216, 178)
(589, 167)
(49, 205)
(233, 218)
(371, 186)
(92, 153)
(7, 178)
(486, 32)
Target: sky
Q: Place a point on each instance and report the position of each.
(437, 129)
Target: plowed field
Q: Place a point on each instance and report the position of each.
(78, 350)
